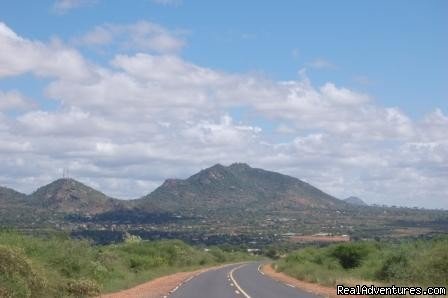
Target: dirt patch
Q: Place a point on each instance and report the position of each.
(405, 232)
(306, 286)
(159, 287)
(319, 238)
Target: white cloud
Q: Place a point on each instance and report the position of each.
(14, 100)
(100, 35)
(321, 63)
(343, 96)
(143, 117)
(20, 55)
(222, 134)
(295, 53)
(168, 2)
(434, 127)
(141, 36)
(63, 6)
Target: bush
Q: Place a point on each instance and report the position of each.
(393, 267)
(350, 255)
(57, 266)
(83, 288)
(417, 262)
(18, 276)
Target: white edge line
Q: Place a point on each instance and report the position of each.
(235, 283)
(184, 282)
(191, 277)
(259, 269)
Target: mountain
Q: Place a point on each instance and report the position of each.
(10, 195)
(15, 208)
(11, 199)
(355, 201)
(237, 186)
(71, 196)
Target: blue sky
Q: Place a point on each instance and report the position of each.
(351, 96)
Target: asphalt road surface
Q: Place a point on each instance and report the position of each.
(237, 281)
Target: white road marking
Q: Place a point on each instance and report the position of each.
(259, 269)
(290, 285)
(235, 283)
(197, 274)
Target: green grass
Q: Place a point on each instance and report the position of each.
(57, 266)
(412, 262)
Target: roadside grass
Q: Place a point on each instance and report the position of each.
(412, 262)
(57, 266)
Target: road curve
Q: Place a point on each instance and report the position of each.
(237, 281)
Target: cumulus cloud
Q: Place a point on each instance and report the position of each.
(142, 117)
(20, 55)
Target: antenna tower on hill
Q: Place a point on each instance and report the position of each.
(65, 173)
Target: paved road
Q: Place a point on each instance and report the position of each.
(237, 281)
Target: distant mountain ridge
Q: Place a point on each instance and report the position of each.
(217, 188)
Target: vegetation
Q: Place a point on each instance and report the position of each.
(59, 266)
(412, 262)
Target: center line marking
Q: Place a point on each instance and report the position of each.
(235, 283)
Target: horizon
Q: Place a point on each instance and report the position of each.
(349, 97)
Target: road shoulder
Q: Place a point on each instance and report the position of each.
(158, 287)
(303, 285)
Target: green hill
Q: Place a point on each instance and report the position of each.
(71, 196)
(237, 186)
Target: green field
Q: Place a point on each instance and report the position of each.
(55, 265)
(411, 262)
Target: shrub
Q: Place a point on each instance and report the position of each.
(83, 288)
(417, 262)
(18, 276)
(350, 255)
(393, 267)
(57, 266)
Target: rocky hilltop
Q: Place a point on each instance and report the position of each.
(71, 196)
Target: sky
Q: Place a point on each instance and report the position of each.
(350, 96)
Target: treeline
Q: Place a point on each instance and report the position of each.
(410, 262)
(57, 266)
